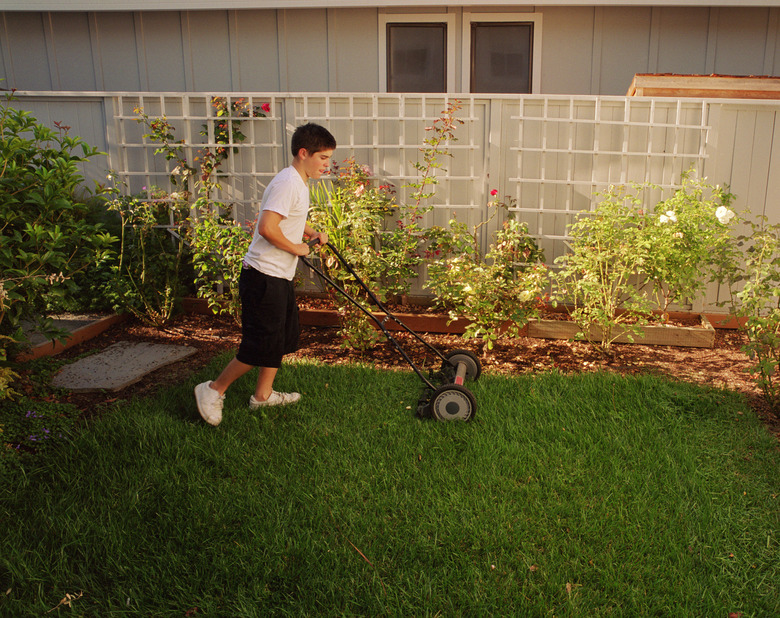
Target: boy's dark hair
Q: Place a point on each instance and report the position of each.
(313, 138)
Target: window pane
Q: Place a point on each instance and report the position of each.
(416, 58)
(501, 57)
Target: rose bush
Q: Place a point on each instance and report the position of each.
(218, 245)
(351, 208)
(497, 294)
(147, 279)
(626, 261)
(755, 298)
(598, 278)
(689, 241)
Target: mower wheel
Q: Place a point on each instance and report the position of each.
(473, 366)
(452, 402)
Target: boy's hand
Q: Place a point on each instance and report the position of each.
(301, 249)
(317, 238)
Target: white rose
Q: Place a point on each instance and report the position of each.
(672, 216)
(724, 215)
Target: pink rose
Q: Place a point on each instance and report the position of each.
(494, 192)
(266, 107)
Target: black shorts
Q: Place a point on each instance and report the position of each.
(269, 319)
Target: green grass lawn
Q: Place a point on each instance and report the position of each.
(588, 495)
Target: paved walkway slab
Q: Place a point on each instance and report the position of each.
(118, 366)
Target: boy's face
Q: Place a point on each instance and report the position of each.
(314, 165)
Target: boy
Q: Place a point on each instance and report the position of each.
(269, 313)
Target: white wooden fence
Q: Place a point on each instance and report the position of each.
(550, 154)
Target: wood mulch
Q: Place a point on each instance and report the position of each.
(723, 366)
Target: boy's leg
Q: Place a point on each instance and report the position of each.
(232, 372)
(265, 383)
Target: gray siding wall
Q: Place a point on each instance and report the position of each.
(586, 50)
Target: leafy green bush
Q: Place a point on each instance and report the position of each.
(380, 238)
(147, 279)
(625, 261)
(499, 293)
(610, 247)
(44, 236)
(218, 245)
(351, 210)
(688, 240)
(402, 245)
(758, 303)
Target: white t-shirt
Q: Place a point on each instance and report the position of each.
(288, 195)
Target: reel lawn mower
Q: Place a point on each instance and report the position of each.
(445, 396)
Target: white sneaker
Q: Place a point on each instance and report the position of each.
(276, 399)
(209, 403)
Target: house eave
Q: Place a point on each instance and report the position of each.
(159, 5)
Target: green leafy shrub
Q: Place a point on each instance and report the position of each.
(147, 279)
(218, 245)
(626, 261)
(498, 294)
(380, 238)
(689, 238)
(402, 244)
(599, 278)
(758, 304)
(44, 235)
(90, 284)
(351, 210)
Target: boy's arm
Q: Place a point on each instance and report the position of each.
(269, 229)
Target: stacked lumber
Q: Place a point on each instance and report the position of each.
(704, 86)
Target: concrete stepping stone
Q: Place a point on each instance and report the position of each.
(118, 366)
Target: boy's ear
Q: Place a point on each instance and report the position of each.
(302, 153)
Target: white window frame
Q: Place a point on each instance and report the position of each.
(421, 18)
(507, 18)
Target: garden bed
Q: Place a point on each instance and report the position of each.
(693, 331)
(81, 327)
(681, 328)
(722, 366)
